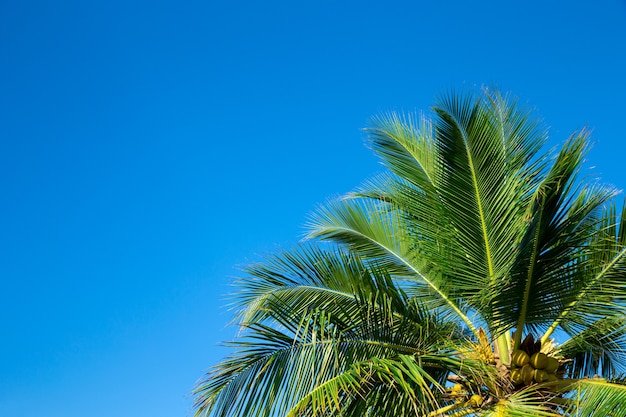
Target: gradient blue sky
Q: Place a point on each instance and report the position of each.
(147, 148)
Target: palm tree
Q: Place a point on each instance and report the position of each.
(479, 276)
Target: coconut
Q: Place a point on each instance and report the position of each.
(540, 376)
(456, 389)
(520, 358)
(552, 366)
(527, 373)
(539, 360)
(516, 376)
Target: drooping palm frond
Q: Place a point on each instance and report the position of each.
(294, 333)
(373, 232)
(410, 380)
(305, 277)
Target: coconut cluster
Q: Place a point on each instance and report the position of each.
(529, 368)
(458, 392)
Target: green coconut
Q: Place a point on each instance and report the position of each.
(552, 366)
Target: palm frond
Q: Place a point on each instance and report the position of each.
(373, 231)
(406, 297)
(597, 397)
(414, 381)
(548, 255)
(600, 286)
(272, 369)
(598, 349)
(524, 403)
(310, 341)
(406, 146)
(486, 147)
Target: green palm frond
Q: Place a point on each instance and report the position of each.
(600, 287)
(486, 176)
(305, 277)
(311, 278)
(414, 292)
(319, 339)
(270, 370)
(525, 403)
(407, 147)
(373, 231)
(597, 397)
(412, 380)
(550, 252)
(598, 349)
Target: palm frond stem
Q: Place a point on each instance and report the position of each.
(442, 410)
(522, 316)
(417, 272)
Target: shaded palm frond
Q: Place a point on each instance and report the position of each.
(381, 387)
(299, 343)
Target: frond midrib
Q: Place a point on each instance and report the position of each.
(531, 267)
(452, 305)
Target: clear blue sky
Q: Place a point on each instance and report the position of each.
(147, 148)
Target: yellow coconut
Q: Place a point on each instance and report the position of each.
(540, 376)
(516, 376)
(539, 360)
(520, 358)
(528, 373)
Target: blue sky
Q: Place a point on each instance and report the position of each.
(149, 148)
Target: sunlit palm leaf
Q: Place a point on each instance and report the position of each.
(524, 403)
(548, 254)
(600, 288)
(373, 231)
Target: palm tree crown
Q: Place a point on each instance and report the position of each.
(478, 276)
